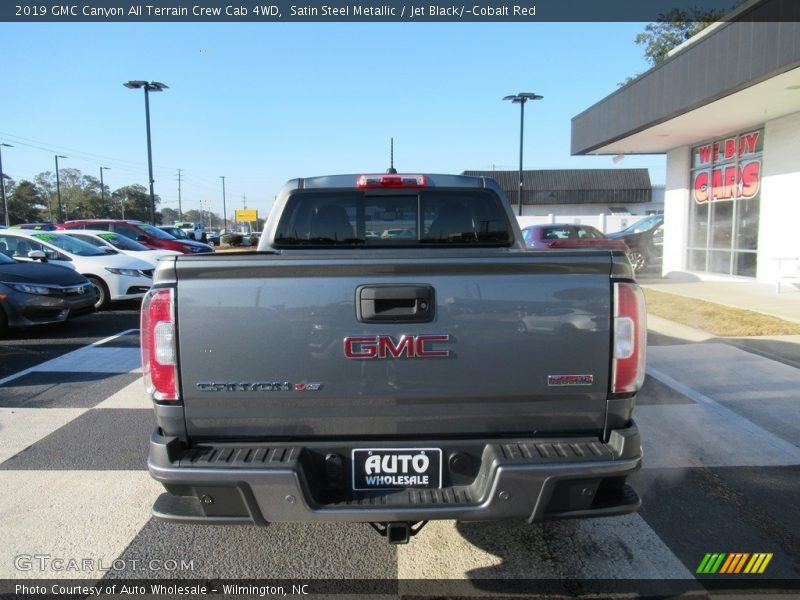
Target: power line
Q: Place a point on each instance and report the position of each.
(118, 164)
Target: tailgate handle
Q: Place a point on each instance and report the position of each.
(394, 303)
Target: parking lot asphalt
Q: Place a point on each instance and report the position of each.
(24, 348)
(721, 435)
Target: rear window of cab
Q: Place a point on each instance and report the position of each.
(427, 217)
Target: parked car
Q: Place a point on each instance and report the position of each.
(144, 233)
(174, 231)
(113, 243)
(214, 237)
(645, 238)
(566, 235)
(115, 276)
(37, 294)
(194, 231)
(37, 226)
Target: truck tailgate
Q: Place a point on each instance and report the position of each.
(521, 346)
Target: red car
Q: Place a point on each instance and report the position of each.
(565, 235)
(145, 234)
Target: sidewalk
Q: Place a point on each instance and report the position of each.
(749, 295)
(746, 295)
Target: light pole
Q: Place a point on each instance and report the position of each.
(3, 184)
(521, 98)
(58, 189)
(102, 185)
(149, 86)
(224, 210)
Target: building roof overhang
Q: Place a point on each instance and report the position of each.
(739, 75)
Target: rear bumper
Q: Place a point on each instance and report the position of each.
(531, 479)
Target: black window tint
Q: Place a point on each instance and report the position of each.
(402, 218)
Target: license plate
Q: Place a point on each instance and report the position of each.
(396, 468)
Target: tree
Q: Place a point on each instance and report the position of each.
(26, 203)
(133, 202)
(169, 215)
(195, 216)
(46, 182)
(672, 29)
(81, 198)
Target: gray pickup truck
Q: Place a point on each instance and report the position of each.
(393, 354)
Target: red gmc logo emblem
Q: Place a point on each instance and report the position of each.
(384, 346)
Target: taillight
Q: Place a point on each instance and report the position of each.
(630, 338)
(391, 181)
(159, 351)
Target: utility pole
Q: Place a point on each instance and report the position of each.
(103, 185)
(224, 208)
(3, 185)
(244, 201)
(58, 190)
(180, 212)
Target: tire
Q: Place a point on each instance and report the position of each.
(638, 260)
(102, 292)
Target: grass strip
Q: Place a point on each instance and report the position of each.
(716, 319)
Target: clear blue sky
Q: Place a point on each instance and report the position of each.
(265, 102)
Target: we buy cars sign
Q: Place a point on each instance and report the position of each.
(734, 169)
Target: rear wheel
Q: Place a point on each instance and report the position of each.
(638, 260)
(102, 292)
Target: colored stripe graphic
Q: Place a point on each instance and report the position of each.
(758, 563)
(734, 563)
(710, 564)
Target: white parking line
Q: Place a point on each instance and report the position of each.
(131, 396)
(767, 442)
(73, 361)
(70, 515)
(23, 427)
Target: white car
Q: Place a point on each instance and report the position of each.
(115, 276)
(194, 231)
(117, 243)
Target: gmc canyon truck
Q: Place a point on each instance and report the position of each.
(392, 354)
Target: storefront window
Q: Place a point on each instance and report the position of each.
(721, 225)
(725, 205)
(697, 260)
(747, 224)
(698, 226)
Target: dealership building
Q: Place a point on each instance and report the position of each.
(725, 109)
(562, 192)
